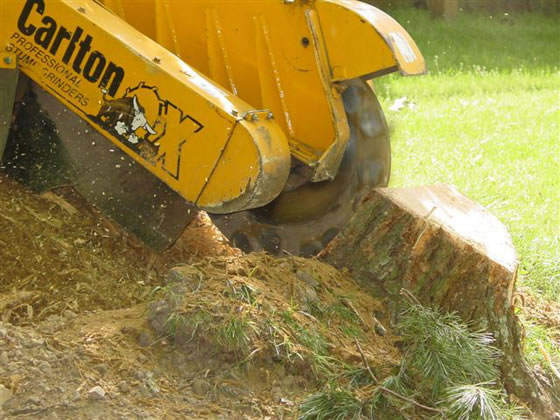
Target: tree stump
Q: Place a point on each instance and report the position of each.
(450, 253)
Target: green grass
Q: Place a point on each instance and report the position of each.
(487, 119)
(233, 334)
(524, 41)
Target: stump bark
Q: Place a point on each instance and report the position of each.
(450, 253)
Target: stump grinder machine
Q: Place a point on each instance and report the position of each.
(256, 111)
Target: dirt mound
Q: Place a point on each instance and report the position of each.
(59, 254)
(95, 325)
(295, 311)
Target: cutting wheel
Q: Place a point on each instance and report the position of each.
(303, 220)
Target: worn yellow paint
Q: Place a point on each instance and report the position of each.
(184, 124)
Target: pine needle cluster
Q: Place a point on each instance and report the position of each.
(443, 351)
(449, 370)
(453, 364)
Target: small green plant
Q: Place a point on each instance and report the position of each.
(170, 292)
(281, 342)
(311, 339)
(342, 312)
(323, 365)
(356, 376)
(317, 349)
(233, 334)
(337, 404)
(243, 292)
(176, 322)
(352, 331)
(184, 326)
(201, 319)
(313, 343)
(317, 309)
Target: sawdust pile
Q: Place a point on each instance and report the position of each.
(59, 254)
(300, 312)
(199, 330)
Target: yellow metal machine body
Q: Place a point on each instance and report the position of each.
(285, 56)
(211, 147)
(218, 99)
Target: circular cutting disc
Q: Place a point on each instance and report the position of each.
(303, 220)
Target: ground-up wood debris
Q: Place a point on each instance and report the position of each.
(95, 325)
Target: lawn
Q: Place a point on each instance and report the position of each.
(487, 119)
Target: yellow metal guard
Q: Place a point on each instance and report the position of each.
(286, 56)
(201, 140)
(274, 73)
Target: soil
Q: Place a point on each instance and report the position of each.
(95, 325)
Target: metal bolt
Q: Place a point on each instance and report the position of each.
(254, 117)
(270, 116)
(8, 60)
(157, 60)
(81, 10)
